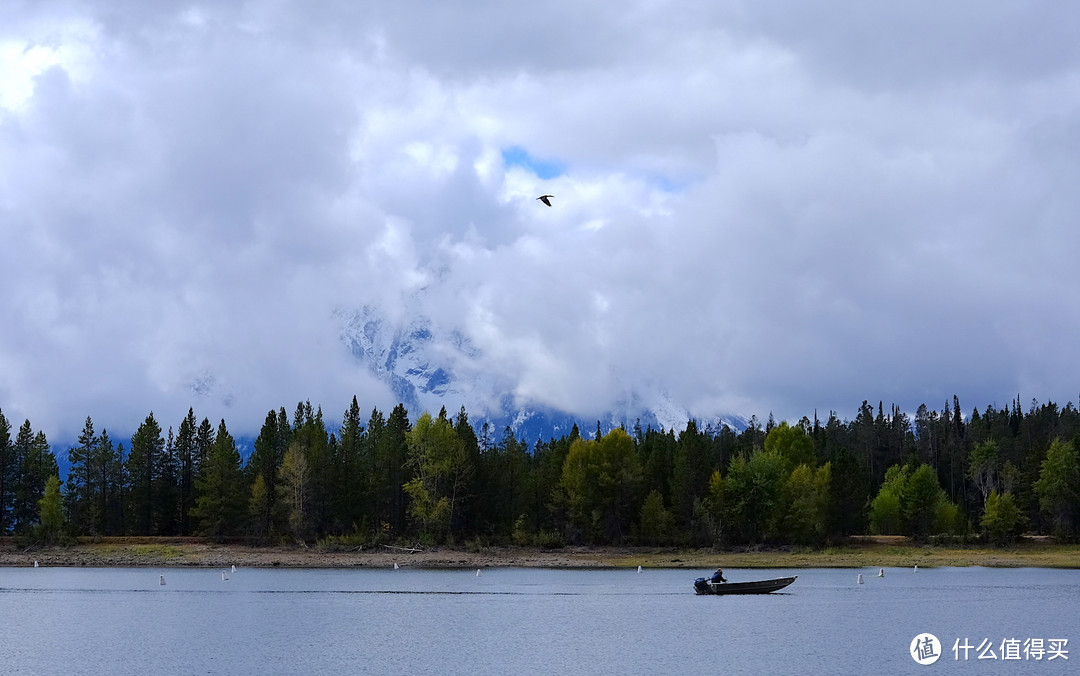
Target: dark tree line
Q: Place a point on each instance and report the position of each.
(995, 472)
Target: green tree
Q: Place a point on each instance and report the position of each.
(51, 511)
(753, 495)
(81, 486)
(657, 522)
(806, 499)
(147, 447)
(349, 478)
(188, 459)
(310, 436)
(1002, 519)
(601, 478)
(440, 474)
(886, 514)
(919, 499)
(221, 494)
(1058, 488)
(689, 474)
(111, 480)
(791, 443)
(388, 449)
(166, 490)
(265, 461)
(848, 495)
(7, 471)
(34, 463)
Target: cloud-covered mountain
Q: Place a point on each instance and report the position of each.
(428, 367)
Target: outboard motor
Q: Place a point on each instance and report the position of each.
(701, 585)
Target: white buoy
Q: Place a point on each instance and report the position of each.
(860, 579)
(234, 568)
(35, 564)
(395, 565)
(223, 577)
(916, 567)
(477, 572)
(881, 572)
(161, 580)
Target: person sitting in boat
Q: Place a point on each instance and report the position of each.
(718, 576)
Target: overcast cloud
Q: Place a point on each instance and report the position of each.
(759, 206)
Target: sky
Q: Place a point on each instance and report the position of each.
(760, 207)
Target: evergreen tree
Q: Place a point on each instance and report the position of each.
(348, 477)
(471, 512)
(848, 495)
(147, 447)
(188, 460)
(690, 474)
(35, 463)
(167, 490)
(266, 458)
(391, 452)
(657, 522)
(81, 486)
(7, 472)
(111, 479)
(310, 436)
(919, 498)
(221, 493)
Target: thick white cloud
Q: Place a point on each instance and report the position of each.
(761, 206)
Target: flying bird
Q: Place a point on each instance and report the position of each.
(546, 199)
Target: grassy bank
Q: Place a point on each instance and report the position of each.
(869, 552)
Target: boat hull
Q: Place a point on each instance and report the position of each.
(704, 587)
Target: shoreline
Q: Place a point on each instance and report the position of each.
(861, 552)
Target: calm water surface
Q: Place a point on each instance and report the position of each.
(523, 621)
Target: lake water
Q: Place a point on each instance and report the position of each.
(526, 621)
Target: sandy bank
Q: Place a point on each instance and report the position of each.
(860, 552)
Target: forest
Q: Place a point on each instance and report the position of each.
(986, 476)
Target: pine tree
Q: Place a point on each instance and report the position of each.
(390, 452)
(348, 478)
(221, 495)
(35, 463)
(81, 488)
(147, 447)
(111, 479)
(167, 490)
(266, 458)
(309, 435)
(187, 457)
(7, 472)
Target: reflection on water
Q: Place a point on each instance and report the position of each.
(72, 620)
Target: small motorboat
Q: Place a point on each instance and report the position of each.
(702, 585)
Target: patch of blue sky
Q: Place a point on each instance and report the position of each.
(516, 156)
(670, 184)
